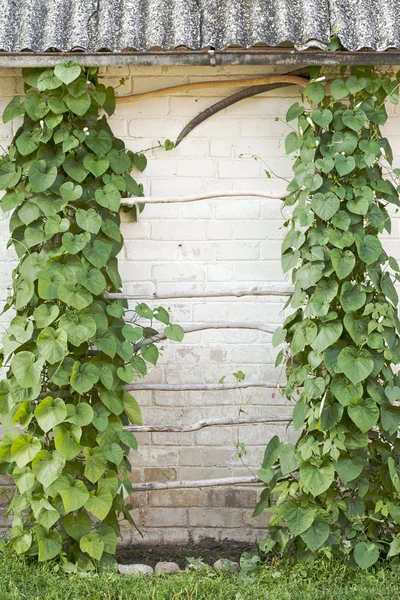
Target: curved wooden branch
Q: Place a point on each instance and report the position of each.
(206, 423)
(206, 196)
(196, 387)
(270, 291)
(161, 336)
(182, 485)
(224, 103)
(200, 85)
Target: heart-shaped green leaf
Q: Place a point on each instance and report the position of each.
(344, 142)
(343, 262)
(99, 142)
(74, 295)
(339, 89)
(84, 376)
(369, 249)
(94, 281)
(52, 345)
(88, 220)
(41, 175)
(354, 119)
(70, 192)
(74, 243)
(322, 117)
(78, 105)
(109, 197)
(344, 165)
(345, 391)
(325, 164)
(50, 412)
(366, 554)
(294, 112)
(392, 393)
(47, 466)
(96, 165)
(78, 327)
(315, 92)
(325, 205)
(77, 525)
(356, 365)
(74, 167)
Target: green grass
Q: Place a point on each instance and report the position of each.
(323, 580)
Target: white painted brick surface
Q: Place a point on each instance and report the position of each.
(221, 244)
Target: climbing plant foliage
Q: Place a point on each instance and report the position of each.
(69, 350)
(337, 490)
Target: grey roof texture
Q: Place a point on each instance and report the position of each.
(120, 25)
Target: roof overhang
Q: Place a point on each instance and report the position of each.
(270, 56)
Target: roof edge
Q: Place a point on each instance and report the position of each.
(270, 56)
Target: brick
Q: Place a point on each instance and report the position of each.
(227, 128)
(177, 498)
(237, 169)
(219, 230)
(179, 230)
(237, 250)
(210, 312)
(4, 520)
(155, 474)
(157, 127)
(221, 148)
(219, 456)
(204, 536)
(195, 168)
(215, 517)
(166, 517)
(238, 209)
(232, 497)
(172, 535)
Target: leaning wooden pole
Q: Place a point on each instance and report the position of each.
(215, 84)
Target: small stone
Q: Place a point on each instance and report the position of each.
(137, 569)
(224, 564)
(167, 567)
(192, 567)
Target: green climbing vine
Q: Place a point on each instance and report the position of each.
(69, 350)
(337, 490)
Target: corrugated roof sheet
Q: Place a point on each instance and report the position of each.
(118, 25)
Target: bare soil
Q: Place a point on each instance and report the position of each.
(208, 551)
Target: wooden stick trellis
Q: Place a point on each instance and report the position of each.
(183, 485)
(195, 387)
(223, 422)
(247, 420)
(272, 290)
(204, 196)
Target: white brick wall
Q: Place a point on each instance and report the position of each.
(223, 244)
